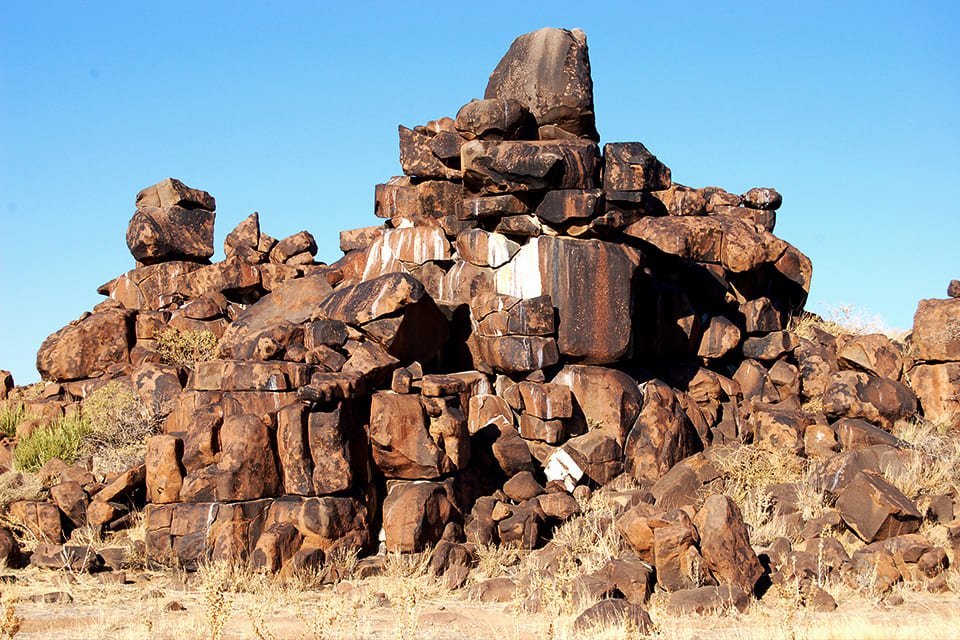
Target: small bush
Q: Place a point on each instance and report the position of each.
(19, 486)
(186, 347)
(62, 439)
(10, 416)
(119, 424)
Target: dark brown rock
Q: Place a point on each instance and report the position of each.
(860, 395)
(938, 388)
(590, 282)
(157, 234)
(88, 347)
(246, 469)
(629, 166)
(874, 353)
(875, 510)
(493, 119)
(661, 436)
(613, 613)
(173, 193)
(521, 166)
(563, 206)
(292, 303)
(74, 558)
(401, 445)
(548, 71)
(41, 519)
(936, 330)
(415, 515)
(72, 500)
(762, 198)
(708, 600)
(725, 543)
(485, 249)
(287, 250)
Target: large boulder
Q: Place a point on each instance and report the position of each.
(590, 282)
(725, 543)
(88, 347)
(491, 167)
(158, 234)
(662, 435)
(936, 330)
(938, 388)
(292, 303)
(548, 72)
(415, 515)
(401, 442)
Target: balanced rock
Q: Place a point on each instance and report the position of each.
(548, 72)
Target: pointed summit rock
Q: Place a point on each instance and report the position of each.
(548, 72)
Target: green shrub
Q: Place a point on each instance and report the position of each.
(10, 416)
(62, 439)
(186, 347)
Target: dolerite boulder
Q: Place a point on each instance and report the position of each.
(936, 330)
(532, 323)
(258, 329)
(172, 222)
(522, 166)
(590, 282)
(95, 344)
(548, 72)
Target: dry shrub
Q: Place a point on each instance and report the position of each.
(186, 347)
(15, 486)
(120, 423)
(61, 438)
(748, 470)
(10, 621)
(934, 467)
(840, 320)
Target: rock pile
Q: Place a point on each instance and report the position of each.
(536, 318)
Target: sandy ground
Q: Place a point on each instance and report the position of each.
(159, 606)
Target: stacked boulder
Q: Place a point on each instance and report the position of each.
(935, 375)
(536, 318)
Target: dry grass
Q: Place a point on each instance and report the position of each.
(119, 425)
(841, 320)
(15, 485)
(11, 415)
(748, 470)
(934, 467)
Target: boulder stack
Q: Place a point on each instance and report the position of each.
(536, 313)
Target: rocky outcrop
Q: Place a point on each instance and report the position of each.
(535, 319)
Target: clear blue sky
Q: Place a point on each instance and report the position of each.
(850, 109)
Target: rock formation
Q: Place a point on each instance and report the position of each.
(536, 314)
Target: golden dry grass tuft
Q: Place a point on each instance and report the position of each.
(119, 424)
(186, 347)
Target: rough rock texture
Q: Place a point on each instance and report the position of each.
(548, 72)
(534, 322)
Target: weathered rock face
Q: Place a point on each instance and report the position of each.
(548, 72)
(524, 166)
(157, 234)
(415, 515)
(936, 330)
(590, 282)
(725, 543)
(97, 343)
(534, 321)
(290, 304)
